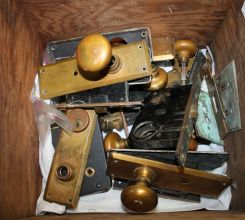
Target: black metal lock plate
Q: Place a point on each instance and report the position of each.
(205, 161)
(159, 123)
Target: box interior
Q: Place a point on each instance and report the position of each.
(27, 25)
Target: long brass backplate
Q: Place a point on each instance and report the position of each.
(71, 155)
(168, 176)
(65, 77)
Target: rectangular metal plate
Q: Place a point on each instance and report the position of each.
(226, 83)
(168, 176)
(59, 79)
(206, 124)
(189, 122)
(57, 50)
(98, 181)
(72, 151)
(195, 160)
(217, 105)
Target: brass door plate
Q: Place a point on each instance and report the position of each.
(168, 176)
(65, 77)
(189, 121)
(69, 163)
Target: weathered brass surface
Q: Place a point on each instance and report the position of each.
(93, 53)
(185, 49)
(66, 77)
(68, 165)
(79, 119)
(190, 121)
(139, 197)
(111, 121)
(168, 176)
(113, 141)
(159, 80)
(174, 78)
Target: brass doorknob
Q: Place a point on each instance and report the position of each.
(93, 53)
(185, 49)
(139, 197)
(159, 80)
(114, 141)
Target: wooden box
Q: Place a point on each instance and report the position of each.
(27, 25)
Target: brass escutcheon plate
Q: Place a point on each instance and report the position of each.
(69, 164)
(168, 176)
(65, 77)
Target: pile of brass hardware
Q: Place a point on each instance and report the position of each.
(107, 82)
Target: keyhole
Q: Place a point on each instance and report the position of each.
(78, 123)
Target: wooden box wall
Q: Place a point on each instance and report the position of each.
(25, 27)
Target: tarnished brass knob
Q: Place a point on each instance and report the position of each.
(159, 80)
(139, 197)
(93, 53)
(114, 141)
(185, 49)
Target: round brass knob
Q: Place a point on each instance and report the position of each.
(185, 49)
(114, 141)
(93, 53)
(159, 80)
(139, 197)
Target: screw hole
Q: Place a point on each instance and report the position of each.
(144, 68)
(75, 73)
(143, 34)
(89, 172)
(44, 91)
(53, 47)
(140, 46)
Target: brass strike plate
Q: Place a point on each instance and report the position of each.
(168, 176)
(69, 163)
(65, 77)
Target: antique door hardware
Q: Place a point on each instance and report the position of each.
(159, 123)
(113, 141)
(190, 115)
(95, 179)
(160, 175)
(126, 62)
(185, 49)
(70, 159)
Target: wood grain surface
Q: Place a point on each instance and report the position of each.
(26, 24)
(196, 215)
(192, 19)
(229, 44)
(20, 49)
